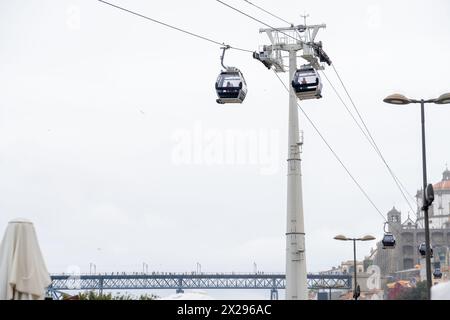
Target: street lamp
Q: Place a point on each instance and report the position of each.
(344, 238)
(428, 197)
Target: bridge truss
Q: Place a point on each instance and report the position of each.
(180, 281)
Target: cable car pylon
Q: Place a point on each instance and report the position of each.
(293, 39)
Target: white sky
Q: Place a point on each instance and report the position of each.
(95, 104)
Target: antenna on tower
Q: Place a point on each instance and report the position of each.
(304, 16)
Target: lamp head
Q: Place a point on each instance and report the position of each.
(367, 238)
(397, 98)
(341, 237)
(443, 99)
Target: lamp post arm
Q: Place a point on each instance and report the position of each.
(423, 101)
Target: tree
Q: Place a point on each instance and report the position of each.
(92, 295)
(417, 293)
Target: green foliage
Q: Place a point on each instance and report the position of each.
(148, 297)
(417, 293)
(92, 295)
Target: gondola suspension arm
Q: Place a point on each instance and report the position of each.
(226, 47)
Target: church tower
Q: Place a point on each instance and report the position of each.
(395, 220)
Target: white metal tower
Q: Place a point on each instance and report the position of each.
(292, 40)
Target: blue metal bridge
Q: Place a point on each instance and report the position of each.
(181, 281)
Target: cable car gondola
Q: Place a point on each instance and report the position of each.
(437, 273)
(307, 83)
(230, 85)
(423, 250)
(388, 241)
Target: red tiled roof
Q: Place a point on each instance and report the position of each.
(443, 185)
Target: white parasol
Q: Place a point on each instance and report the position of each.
(440, 291)
(23, 274)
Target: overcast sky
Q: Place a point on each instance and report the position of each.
(112, 143)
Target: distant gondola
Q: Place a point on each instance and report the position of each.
(423, 250)
(388, 241)
(437, 273)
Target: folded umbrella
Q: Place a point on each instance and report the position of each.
(23, 273)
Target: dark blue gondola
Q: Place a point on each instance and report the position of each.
(230, 84)
(423, 250)
(437, 273)
(388, 241)
(306, 83)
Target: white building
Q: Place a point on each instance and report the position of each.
(439, 211)
(349, 267)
